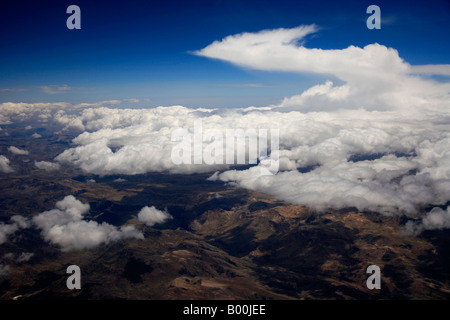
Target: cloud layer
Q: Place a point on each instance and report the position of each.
(384, 161)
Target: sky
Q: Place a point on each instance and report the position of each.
(145, 50)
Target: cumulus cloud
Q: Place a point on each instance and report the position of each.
(151, 216)
(16, 222)
(17, 151)
(21, 221)
(36, 135)
(6, 230)
(79, 235)
(67, 210)
(64, 226)
(47, 166)
(4, 165)
(436, 219)
(5, 270)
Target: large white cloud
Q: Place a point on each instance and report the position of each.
(64, 226)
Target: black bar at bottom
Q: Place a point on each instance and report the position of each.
(224, 309)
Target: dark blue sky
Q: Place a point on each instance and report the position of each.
(140, 49)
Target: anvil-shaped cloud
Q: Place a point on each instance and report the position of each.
(375, 77)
